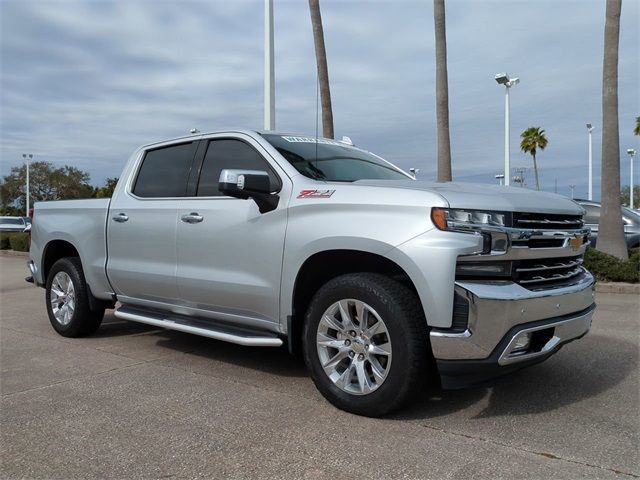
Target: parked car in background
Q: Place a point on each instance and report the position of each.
(630, 219)
(13, 224)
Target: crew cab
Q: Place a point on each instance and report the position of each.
(385, 284)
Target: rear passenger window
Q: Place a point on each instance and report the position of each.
(165, 171)
(233, 154)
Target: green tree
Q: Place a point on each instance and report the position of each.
(625, 198)
(106, 191)
(636, 130)
(533, 139)
(46, 182)
(610, 230)
(442, 93)
(323, 71)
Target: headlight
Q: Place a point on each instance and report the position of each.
(462, 219)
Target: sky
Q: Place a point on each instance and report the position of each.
(85, 83)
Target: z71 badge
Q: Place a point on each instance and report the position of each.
(315, 193)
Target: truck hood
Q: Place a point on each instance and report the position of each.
(487, 197)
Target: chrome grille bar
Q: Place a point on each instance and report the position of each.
(550, 222)
(555, 266)
(553, 277)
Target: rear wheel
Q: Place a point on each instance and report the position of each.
(366, 343)
(68, 300)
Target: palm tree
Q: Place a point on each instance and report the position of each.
(610, 231)
(323, 72)
(533, 138)
(636, 130)
(442, 93)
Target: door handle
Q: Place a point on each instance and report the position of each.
(120, 218)
(193, 217)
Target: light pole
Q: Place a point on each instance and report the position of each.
(269, 69)
(572, 187)
(590, 129)
(503, 79)
(27, 157)
(632, 153)
(500, 178)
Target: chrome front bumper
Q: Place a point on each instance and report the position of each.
(500, 311)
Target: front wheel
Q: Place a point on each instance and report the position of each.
(366, 343)
(68, 300)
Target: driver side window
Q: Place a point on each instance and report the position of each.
(233, 154)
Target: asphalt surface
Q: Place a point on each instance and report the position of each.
(137, 402)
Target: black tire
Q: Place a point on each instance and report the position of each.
(83, 321)
(402, 313)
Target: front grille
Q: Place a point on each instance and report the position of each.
(539, 243)
(547, 272)
(547, 221)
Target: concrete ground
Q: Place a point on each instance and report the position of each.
(137, 402)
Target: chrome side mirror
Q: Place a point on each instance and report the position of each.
(244, 184)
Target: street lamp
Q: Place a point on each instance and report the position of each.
(590, 129)
(269, 69)
(500, 178)
(503, 79)
(27, 157)
(572, 187)
(632, 153)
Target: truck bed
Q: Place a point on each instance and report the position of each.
(81, 223)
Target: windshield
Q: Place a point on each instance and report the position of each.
(331, 160)
(11, 221)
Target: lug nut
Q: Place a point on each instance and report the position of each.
(347, 342)
(366, 346)
(361, 357)
(351, 354)
(352, 333)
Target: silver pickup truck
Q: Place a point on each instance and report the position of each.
(385, 284)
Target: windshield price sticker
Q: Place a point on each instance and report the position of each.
(296, 139)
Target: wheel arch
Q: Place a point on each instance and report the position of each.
(53, 251)
(321, 267)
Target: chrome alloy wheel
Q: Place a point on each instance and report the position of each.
(63, 298)
(354, 347)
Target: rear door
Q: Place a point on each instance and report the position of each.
(230, 262)
(142, 226)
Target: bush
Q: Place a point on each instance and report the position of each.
(608, 268)
(20, 242)
(4, 241)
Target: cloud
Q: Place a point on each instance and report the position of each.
(86, 82)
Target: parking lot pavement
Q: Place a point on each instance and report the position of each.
(137, 402)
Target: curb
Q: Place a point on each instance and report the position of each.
(618, 287)
(13, 253)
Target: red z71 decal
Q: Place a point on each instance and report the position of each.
(315, 193)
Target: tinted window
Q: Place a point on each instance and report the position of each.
(326, 159)
(592, 215)
(233, 154)
(11, 221)
(165, 171)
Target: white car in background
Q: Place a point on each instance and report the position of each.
(14, 224)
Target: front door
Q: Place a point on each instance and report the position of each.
(229, 254)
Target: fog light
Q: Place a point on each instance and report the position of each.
(522, 343)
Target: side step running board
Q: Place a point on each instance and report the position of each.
(198, 328)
